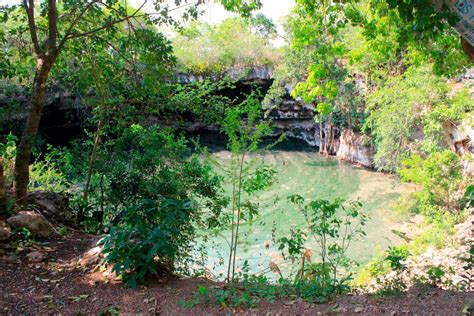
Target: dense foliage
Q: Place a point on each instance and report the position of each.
(156, 198)
(379, 68)
(440, 176)
(228, 47)
(395, 119)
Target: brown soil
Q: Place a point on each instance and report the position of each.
(62, 286)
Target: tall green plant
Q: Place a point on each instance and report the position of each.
(333, 226)
(245, 130)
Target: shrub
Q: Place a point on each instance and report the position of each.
(245, 129)
(251, 290)
(396, 256)
(46, 172)
(333, 226)
(8, 153)
(396, 114)
(157, 196)
(440, 177)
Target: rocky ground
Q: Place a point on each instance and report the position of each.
(63, 278)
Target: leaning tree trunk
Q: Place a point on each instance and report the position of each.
(23, 156)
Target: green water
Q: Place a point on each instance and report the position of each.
(314, 177)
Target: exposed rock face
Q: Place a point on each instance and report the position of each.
(460, 139)
(355, 148)
(5, 232)
(63, 118)
(255, 74)
(296, 120)
(52, 205)
(34, 222)
(306, 131)
(290, 116)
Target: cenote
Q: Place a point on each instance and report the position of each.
(302, 170)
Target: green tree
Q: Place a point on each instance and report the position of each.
(263, 26)
(422, 20)
(52, 25)
(396, 112)
(218, 50)
(317, 29)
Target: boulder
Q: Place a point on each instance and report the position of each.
(5, 232)
(52, 205)
(34, 222)
(36, 256)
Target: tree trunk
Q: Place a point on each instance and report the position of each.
(330, 139)
(23, 156)
(330, 136)
(321, 137)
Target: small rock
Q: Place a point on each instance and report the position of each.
(358, 310)
(91, 257)
(52, 205)
(36, 256)
(34, 222)
(5, 231)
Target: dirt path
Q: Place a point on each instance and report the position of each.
(61, 286)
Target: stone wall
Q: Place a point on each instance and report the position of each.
(356, 148)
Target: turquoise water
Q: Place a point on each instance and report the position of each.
(313, 176)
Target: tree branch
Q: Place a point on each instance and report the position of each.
(52, 25)
(29, 8)
(73, 23)
(103, 27)
(169, 10)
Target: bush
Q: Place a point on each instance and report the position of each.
(436, 235)
(440, 176)
(251, 290)
(46, 173)
(396, 256)
(396, 114)
(157, 196)
(332, 226)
